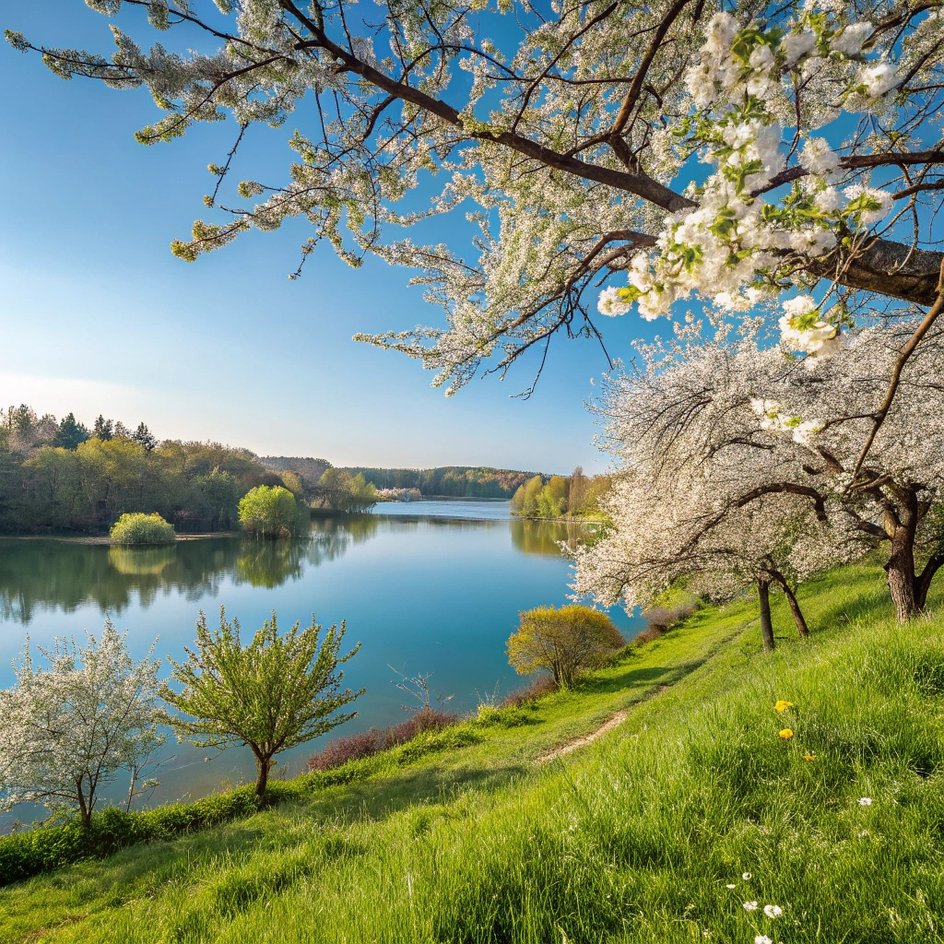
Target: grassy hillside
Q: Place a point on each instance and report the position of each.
(643, 836)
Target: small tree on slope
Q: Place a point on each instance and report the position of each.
(562, 641)
(68, 729)
(275, 692)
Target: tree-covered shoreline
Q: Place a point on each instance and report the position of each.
(61, 478)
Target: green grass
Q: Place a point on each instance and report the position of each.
(632, 839)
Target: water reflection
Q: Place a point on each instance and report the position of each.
(37, 575)
(40, 574)
(546, 537)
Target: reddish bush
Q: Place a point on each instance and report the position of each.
(356, 746)
(538, 688)
(652, 632)
(660, 619)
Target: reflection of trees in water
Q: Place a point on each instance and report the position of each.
(536, 536)
(141, 561)
(43, 574)
(330, 538)
(268, 563)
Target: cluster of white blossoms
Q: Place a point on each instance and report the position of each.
(803, 328)
(731, 246)
(775, 419)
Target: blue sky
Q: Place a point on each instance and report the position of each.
(97, 316)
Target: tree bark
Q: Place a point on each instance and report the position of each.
(262, 774)
(900, 574)
(85, 807)
(901, 525)
(798, 619)
(766, 626)
(923, 583)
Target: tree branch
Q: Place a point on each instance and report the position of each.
(909, 348)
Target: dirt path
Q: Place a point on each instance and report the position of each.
(612, 722)
(585, 739)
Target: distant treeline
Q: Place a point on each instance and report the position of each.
(61, 476)
(452, 481)
(560, 496)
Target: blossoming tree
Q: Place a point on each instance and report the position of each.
(68, 729)
(731, 155)
(704, 449)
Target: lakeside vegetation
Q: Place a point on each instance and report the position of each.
(140, 530)
(453, 481)
(559, 496)
(666, 828)
(60, 476)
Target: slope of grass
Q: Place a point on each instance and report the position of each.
(636, 838)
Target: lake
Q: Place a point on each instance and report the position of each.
(432, 587)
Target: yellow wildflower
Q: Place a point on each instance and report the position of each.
(782, 705)
(809, 755)
(785, 734)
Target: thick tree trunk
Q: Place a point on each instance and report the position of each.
(85, 805)
(766, 626)
(900, 572)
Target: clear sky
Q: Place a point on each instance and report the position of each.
(98, 317)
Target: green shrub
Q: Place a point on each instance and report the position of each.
(510, 717)
(563, 641)
(45, 848)
(141, 529)
(269, 511)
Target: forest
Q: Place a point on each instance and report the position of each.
(58, 475)
(453, 481)
(574, 496)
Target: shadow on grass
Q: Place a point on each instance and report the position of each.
(378, 799)
(628, 678)
(645, 681)
(863, 595)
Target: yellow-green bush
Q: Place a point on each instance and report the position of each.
(141, 529)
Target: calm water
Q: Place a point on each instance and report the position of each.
(426, 587)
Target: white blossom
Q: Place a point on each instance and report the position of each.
(878, 79)
(817, 157)
(850, 39)
(70, 727)
(874, 205)
(797, 45)
(612, 303)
